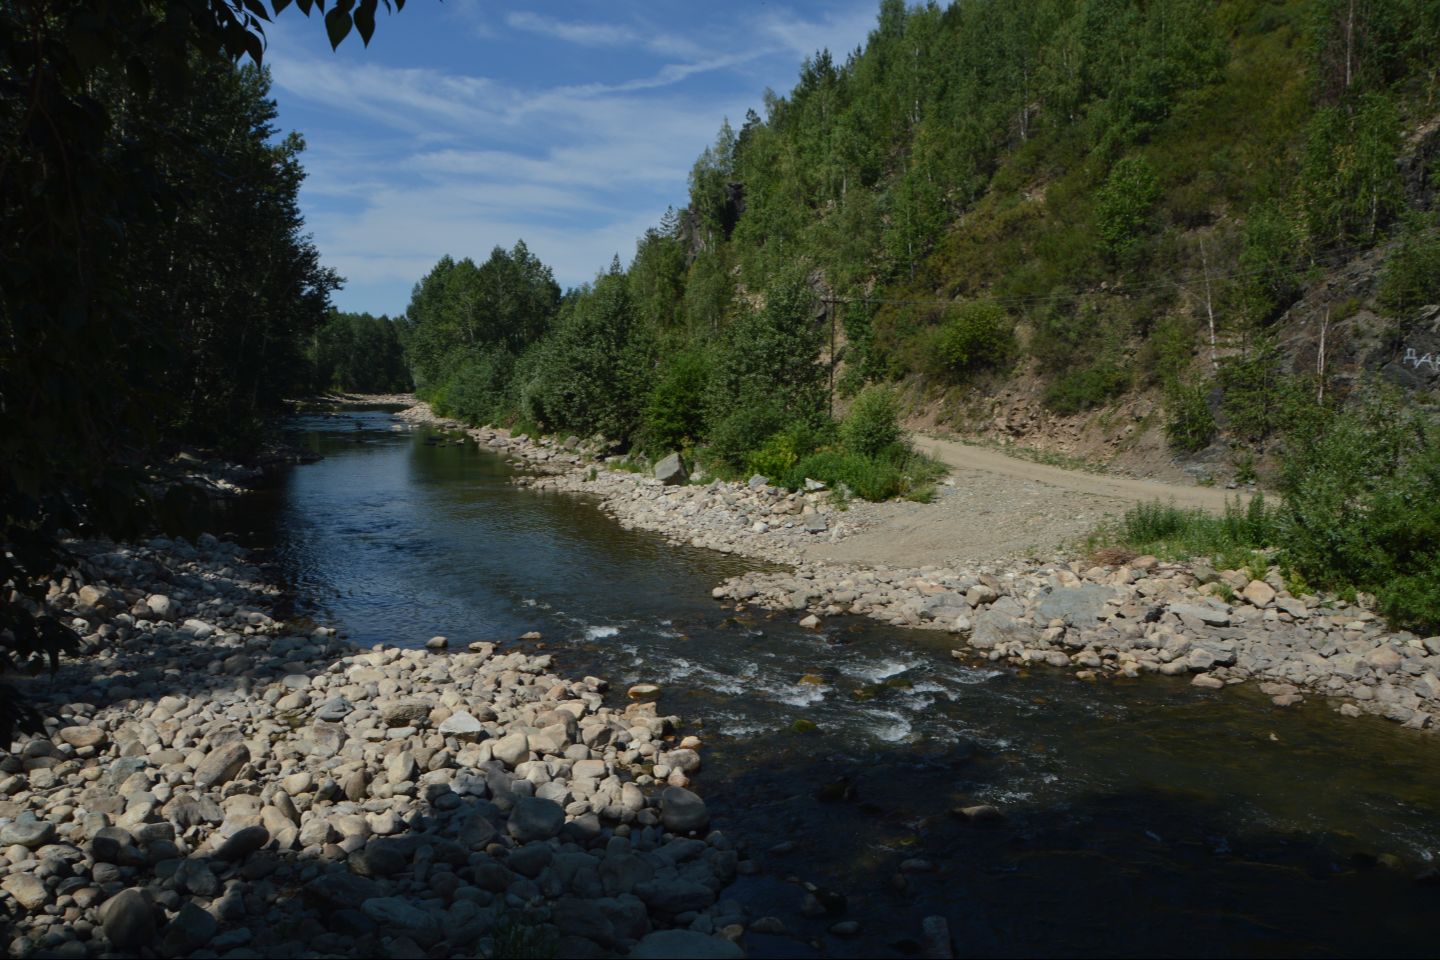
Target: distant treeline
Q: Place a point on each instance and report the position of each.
(358, 353)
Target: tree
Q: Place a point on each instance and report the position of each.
(1124, 205)
(593, 371)
(90, 166)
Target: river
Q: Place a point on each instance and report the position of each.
(1141, 817)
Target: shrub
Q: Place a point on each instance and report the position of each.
(1362, 505)
(743, 429)
(894, 471)
(974, 336)
(477, 392)
(1086, 387)
(1189, 424)
(1124, 205)
(1255, 391)
(1411, 277)
(872, 424)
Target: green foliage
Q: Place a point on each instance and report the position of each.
(770, 357)
(1170, 532)
(459, 308)
(1411, 277)
(1349, 181)
(358, 353)
(1269, 260)
(776, 457)
(872, 424)
(1086, 387)
(893, 472)
(744, 428)
(973, 337)
(1361, 505)
(1189, 424)
(1124, 206)
(657, 277)
(1256, 392)
(593, 372)
(675, 408)
(478, 390)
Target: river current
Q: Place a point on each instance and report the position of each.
(1141, 817)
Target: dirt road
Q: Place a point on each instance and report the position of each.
(1000, 508)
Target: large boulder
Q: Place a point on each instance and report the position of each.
(221, 765)
(1078, 606)
(682, 811)
(128, 919)
(535, 818)
(671, 471)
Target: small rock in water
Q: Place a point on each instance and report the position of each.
(644, 692)
(936, 945)
(980, 813)
(437, 643)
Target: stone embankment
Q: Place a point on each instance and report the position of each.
(752, 519)
(1142, 617)
(213, 781)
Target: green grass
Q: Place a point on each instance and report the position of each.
(1164, 530)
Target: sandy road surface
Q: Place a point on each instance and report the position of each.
(1000, 508)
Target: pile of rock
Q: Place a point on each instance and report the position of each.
(1145, 616)
(212, 780)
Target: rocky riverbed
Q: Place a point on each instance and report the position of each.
(1218, 628)
(213, 781)
(1140, 617)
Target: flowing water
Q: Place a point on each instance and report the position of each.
(1141, 817)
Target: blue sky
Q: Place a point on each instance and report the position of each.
(571, 125)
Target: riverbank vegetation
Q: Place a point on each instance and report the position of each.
(1357, 512)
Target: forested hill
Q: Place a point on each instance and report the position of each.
(1028, 210)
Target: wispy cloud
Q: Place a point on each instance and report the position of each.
(589, 34)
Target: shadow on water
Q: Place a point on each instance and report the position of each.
(1140, 818)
